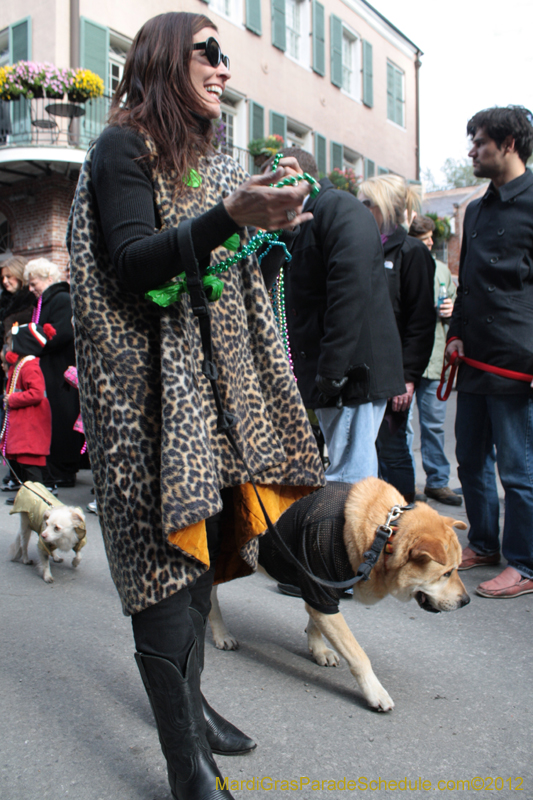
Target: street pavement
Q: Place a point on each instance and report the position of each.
(76, 722)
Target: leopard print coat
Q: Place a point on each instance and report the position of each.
(149, 415)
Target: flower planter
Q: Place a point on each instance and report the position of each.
(77, 97)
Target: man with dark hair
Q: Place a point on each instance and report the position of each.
(492, 328)
(344, 339)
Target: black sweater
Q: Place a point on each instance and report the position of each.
(125, 199)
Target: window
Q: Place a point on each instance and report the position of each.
(353, 161)
(231, 9)
(227, 117)
(290, 28)
(297, 30)
(349, 62)
(298, 135)
(395, 94)
(118, 50)
(345, 58)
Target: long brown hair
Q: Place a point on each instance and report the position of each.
(156, 95)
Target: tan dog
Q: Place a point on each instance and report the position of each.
(421, 562)
(59, 527)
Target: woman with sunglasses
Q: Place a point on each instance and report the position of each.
(174, 499)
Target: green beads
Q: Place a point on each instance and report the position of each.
(172, 291)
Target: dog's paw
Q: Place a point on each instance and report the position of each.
(47, 577)
(226, 642)
(376, 696)
(325, 657)
(57, 559)
(75, 561)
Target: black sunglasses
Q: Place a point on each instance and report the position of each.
(212, 51)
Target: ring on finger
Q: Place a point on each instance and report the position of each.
(291, 215)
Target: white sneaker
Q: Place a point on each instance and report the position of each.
(92, 507)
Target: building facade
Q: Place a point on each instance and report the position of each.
(333, 77)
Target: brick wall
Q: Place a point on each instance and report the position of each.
(37, 212)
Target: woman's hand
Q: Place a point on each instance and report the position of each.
(256, 204)
(402, 401)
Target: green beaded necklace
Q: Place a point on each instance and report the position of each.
(173, 290)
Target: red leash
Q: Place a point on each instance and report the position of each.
(453, 364)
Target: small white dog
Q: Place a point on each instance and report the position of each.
(59, 527)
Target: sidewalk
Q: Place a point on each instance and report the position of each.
(76, 721)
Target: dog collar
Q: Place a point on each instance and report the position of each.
(394, 514)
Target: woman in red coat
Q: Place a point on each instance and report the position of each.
(27, 429)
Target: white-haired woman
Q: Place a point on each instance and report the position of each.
(410, 271)
(53, 305)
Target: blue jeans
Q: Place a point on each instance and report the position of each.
(505, 421)
(350, 433)
(432, 415)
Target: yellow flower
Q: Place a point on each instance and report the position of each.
(87, 83)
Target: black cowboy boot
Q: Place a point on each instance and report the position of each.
(177, 705)
(223, 737)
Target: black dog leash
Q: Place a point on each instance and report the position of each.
(227, 421)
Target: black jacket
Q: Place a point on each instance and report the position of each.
(339, 314)
(410, 272)
(15, 307)
(56, 356)
(493, 312)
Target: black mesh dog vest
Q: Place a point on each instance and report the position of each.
(312, 529)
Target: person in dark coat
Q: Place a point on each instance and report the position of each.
(54, 307)
(16, 300)
(344, 343)
(410, 272)
(492, 324)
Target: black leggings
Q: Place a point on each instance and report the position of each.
(165, 629)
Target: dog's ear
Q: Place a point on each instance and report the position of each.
(458, 523)
(46, 514)
(428, 548)
(78, 516)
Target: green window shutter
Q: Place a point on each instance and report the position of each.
(20, 41)
(279, 34)
(253, 16)
(390, 92)
(94, 48)
(20, 50)
(335, 32)
(398, 96)
(368, 81)
(319, 38)
(370, 168)
(337, 155)
(320, 154)
(257, 121)
(278, 125)
(383, 171)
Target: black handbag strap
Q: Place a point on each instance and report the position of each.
(227, 421)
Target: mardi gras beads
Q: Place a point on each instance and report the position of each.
(173, 290)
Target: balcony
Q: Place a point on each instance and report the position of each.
(44, 135)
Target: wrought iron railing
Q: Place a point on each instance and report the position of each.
(239, 154)
(46, 122)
